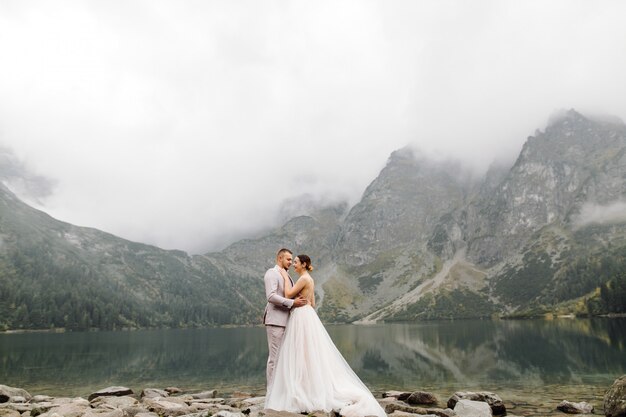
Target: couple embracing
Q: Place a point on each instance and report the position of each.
(305, 371)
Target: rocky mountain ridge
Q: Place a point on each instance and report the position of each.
(425, 241)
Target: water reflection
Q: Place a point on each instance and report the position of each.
(462, 354)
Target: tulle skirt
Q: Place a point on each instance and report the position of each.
(311, 374)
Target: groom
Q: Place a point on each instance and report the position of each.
(277, 309)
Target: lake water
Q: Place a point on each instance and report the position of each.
(527, 360)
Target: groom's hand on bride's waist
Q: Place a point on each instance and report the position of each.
(299, 302)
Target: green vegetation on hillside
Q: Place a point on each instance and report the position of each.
(455, 304)
(37, 292)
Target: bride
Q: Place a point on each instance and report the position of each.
(311, 374)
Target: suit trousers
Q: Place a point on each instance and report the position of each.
(274, 341)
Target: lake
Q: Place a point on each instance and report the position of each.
(523, 360)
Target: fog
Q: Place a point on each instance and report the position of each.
(190, 124)
(611, 213)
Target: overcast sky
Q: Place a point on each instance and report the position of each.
(187, 124)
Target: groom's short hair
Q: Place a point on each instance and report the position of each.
(283, 250)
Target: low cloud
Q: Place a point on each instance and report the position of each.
(190, 124)
(592, 213)
(20, 179)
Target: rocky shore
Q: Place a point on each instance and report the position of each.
(154, 402)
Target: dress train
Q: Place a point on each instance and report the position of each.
(311, 374)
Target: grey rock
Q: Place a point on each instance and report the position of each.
(111, 391)
(173, 390)
(213, 401)
(401, 406)
(134, 411)
(114, 402)
(19, 407)
(205, 394)
(469, 408)
(421, 397)
(70, 400)
(17, 399)
(41, 407)
(253, 401)
(575, 408)
(494, 401)
(7, 392)
(154, 392)
(170, 406)
(200, 414)
(99, 412)
(224, 413)
(615, 399)
(6, 412)
(274, 413)
(40, 398)
(144, 414)
(399, 413)
(66, 410)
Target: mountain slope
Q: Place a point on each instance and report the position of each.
(426, 241)
(54, 274)
(511, 248)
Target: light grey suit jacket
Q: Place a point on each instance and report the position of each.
(278, 307)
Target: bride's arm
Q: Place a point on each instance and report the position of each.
(293, 291)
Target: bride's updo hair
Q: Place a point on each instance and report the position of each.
(306, 261)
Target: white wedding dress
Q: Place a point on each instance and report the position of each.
(311, 374)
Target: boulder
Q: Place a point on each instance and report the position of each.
(403, 396)
(41, 398)
(399, 413)
(421, 397)
(146, 415)
(42, 407)
(197, 407)
(153, 393)
(470, 408)
(6, 412)
(133, 411)
(400, 406)
(66, 410)
(209, 401)
(268, 412)
(240, 394)
(112, 403)
(19, 407)
(167, 406)
(575, 408)
(111, 392)
(615, 399)
(224, 413)
(205, 394)
(253, 401)
(17, 399)
(494, 401)
(7, 392)
(99, 412)
(173, 390)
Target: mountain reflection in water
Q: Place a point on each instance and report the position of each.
(467, 354)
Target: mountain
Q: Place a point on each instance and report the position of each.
(518, 243)
(54, 274)
(427, 240)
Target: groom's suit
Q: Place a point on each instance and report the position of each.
(275, 317)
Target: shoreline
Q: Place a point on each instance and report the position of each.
(246, 402)
(545, 317)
